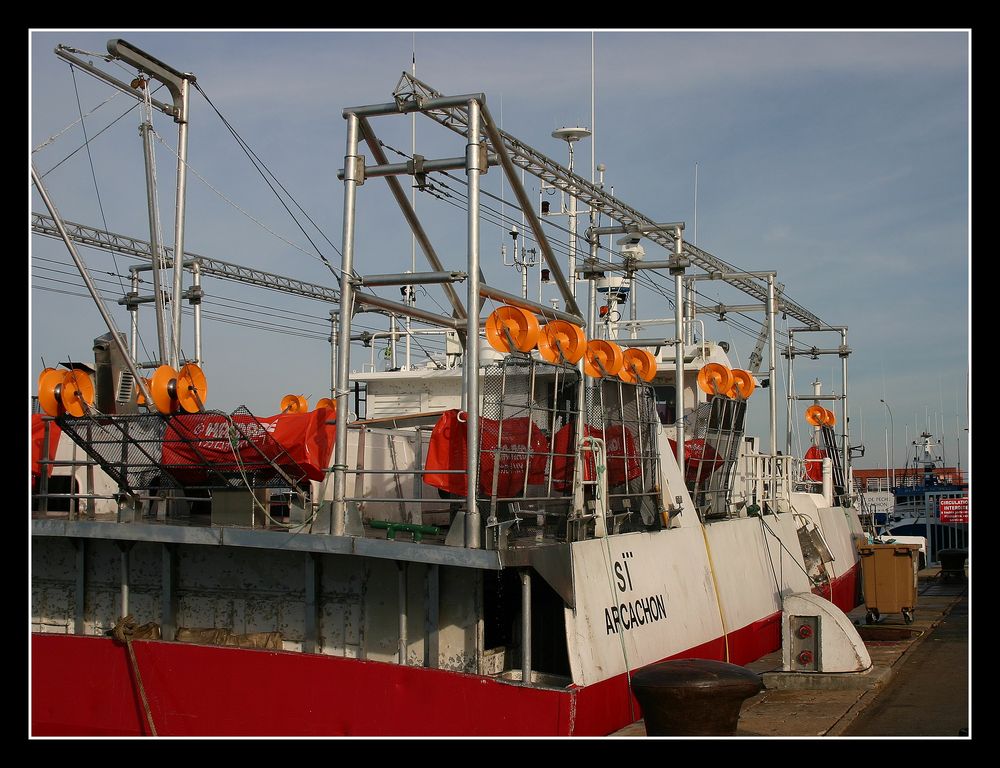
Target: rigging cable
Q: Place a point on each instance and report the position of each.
(258, 164)
(93, 173)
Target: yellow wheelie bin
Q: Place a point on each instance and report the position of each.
(889, 577)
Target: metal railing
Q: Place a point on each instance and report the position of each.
(767, 480)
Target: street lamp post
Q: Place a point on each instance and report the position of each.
(891, 443)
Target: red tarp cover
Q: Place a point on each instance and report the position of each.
(696, 452)
(305, 437)
(447, 450)
(619, 443)
(38, 443)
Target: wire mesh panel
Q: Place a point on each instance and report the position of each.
(191, 450)
(624, 416)
(128, 447)
(711, 454)
(526, 406)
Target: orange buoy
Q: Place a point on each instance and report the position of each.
(173, 391)
(715, 379)
(829, 419)
(559, 334)
(192, 388)
(743, 384)
(816, 415)
(77, 392)
(521, 324)
(328, 403)
(49, 388)
(294, 404)
(162, 386)
(602, 354)
(637, 364)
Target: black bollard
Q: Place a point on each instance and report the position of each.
(952, 563)
(693, 697)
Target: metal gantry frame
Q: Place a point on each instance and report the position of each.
(843, 352)
(476, 162)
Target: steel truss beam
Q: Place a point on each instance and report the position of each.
(410, 89)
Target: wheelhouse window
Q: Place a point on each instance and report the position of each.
(666, 403)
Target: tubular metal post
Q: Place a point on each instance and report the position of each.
(133, 308)
(80, 596)
(168, 591)
(525, 626)
(432, 616)
(772, 389)
(196, 282)
(843, 415)
(595, 243)
(155, 246)
(633, 313)
(401, 569)
(791, 395)
(771, 366)
(43, 480)
(182, 145)
(333, 353)
(124, 546)
(393, 335)
(312, 642)
(690, 313)
(548, 313)
(115, 336)
(572, 229)
(339, 523)
(472, 538)
(679, 351)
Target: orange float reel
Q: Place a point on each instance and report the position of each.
(62, 392)
(49, 390)
(715, 379)
(816, 415)
(560, 335)
(173, 391)
(294, 404)
(520, 324)
(637, 364)
(602, 358)
(743, 384)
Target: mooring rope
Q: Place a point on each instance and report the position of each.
(123, 632)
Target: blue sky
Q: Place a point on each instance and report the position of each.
(840, 159)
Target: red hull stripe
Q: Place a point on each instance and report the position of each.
(83, 686)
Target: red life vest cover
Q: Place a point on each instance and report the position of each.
(697, 451)
(447, 451)
(303, 439)
(814, 463)
(38, 444)
(619, 444)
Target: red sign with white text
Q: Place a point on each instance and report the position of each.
(954, 510)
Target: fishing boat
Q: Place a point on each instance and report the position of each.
(487, 545)
(930, 500)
